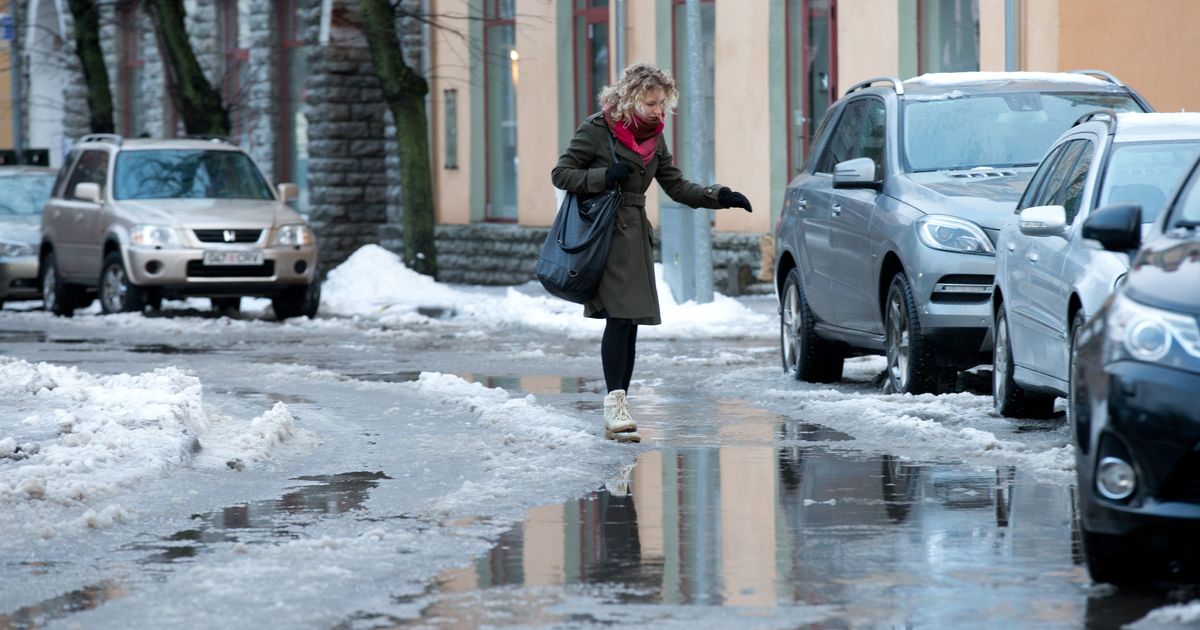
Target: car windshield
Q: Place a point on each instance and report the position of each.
(1187, 209)
(25, 193)
(1145, 173)
(997, 130)
(188, 174)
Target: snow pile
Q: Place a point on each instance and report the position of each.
(374, 282)
(531, 441)
(74, 439)
(1171, 616)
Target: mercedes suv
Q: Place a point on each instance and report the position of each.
(134, 221)
(886, 239)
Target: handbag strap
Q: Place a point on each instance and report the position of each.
(613, 148)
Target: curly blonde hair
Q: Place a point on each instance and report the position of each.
(618, 99)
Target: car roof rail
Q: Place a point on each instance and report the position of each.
(1109, 116)
(114, 138)
(1107, 76)
(897, 84)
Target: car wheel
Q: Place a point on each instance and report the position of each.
(805, 356)
(1009, 398)
(58, 297)
(297, 301)
(911, 368)
(117, 293)
(1077, 406)
(1113, 560)
(227, 304)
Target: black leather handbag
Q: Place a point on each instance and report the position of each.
(572, 259)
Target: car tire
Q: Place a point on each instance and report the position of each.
(297, 301)
(1010, 399)
(58, 297)
(227, 304)
(805, 356)
(117, 293)
(911, 368)
(1113, 560)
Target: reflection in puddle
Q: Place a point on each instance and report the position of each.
(162, 348)
(244, 392)
(329, 494)
(21, 336)
(40, 614)
(888, 542)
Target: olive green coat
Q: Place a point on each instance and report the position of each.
(627, 290)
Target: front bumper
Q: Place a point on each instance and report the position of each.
(1150, 410)
(182, 270)
(19, 278)
(953, 295)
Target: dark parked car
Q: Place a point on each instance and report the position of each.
(23, 192)
(1133, 405)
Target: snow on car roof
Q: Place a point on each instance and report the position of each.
(1158, 125)
(959, 78)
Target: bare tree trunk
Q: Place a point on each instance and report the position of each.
(405, 90)
(195, 98)
(91, 57)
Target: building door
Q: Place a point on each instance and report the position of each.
(811, 68)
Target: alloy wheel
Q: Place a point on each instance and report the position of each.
(1000, 361)
(790, 317)
(49, 286)
(113, 289)
(898, 341)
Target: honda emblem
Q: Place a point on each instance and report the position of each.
(230, 236)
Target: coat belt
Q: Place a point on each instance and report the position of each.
(633, 199)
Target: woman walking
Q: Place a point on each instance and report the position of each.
(634, 111)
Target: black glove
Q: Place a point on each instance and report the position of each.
(617, 173)
(731, 199)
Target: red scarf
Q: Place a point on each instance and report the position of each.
(637, 133)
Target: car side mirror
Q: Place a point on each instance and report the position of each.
(1117, 227)
(856, 173)
(1043, 221)
(88, 191)
(287, 192)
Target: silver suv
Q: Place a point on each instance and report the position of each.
(885, 243)
(1049, 279)
(134, 221)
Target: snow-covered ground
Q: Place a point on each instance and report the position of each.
(124, 446)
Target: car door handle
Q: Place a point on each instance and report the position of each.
(837, 209)
(1012, 247)
(1032, 256)
(78, 216)
(802, 203)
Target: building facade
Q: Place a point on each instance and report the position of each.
(511, 79)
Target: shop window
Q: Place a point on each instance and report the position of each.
(948, 35)
(502, 73)
(592, 59)
(811, 68)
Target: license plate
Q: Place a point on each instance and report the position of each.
(240, 257)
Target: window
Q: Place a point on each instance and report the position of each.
(450, 122)
(91, 168)
(291, 149)
(132, 117)
(501, 76)
(682, 79)
(592, 60)
(811, 68)
(1056, 180)
(1145, 173)
(1038, 181)
(1073, 191)
(948, 35)
(188, 174)
(860, 132)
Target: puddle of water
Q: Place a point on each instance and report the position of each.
(22, 336)
(328, 494)
(244, 392)
(40, 614)
(162, 348)
(888, 542)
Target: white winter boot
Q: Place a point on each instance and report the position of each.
(618, 425)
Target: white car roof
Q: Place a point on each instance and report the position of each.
(1157, 126)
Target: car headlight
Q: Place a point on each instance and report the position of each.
(953, 234)
(146, 235)
(297, 234)
(13, 249)
(1144, 333)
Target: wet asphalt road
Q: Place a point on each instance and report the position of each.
(730, 514)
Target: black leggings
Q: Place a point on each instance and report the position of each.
(617, 348)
